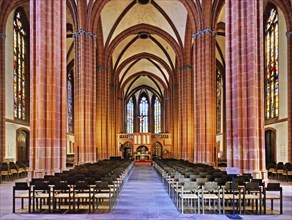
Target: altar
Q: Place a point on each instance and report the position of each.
(142, 157)
(142, 153)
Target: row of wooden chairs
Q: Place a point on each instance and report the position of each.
(198, 192)
(11, 171)
(280, 170)
(74, 191)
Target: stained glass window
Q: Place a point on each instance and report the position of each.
(130, 116)
(218, 101)
(143, 115)
(272, 65)
(157, 116)
(70, 100)
(20, 75)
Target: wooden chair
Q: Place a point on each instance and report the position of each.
(25, 194)
(82, 194)
(280, 170)
(272, 169)
(210, 192)
(14, 170)
(62, 196)
(287, 174)
(189, 196)
(252, 193)
(103, 193)
(277, 194)
(5, 171)
(21, 169)
(41, 196)
(229, 193)
(178, 183)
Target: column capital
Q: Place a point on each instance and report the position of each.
(204, 31)
(289, 34)
(81, 31)
(186, 67)
(2, 36)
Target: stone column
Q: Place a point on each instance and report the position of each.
(186, 113)
(289, 75)
(204, 96)
(85, 96)
(2, 96)
(102, 111)
(174, 110)
(48, 87)
(244, 86)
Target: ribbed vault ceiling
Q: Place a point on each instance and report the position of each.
(145, 57)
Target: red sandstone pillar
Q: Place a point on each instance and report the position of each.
(186, 113)
(174, 105)
(102, 113)
(84, 97)
(84, 89)
(244, 86)
(289, 75)
(204, 96)
(48, 87)
(2, 96)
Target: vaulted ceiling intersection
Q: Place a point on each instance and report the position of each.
(143, 39)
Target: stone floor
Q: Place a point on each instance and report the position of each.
(143, 197)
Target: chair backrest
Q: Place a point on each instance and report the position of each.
(102, 185)
(192, 186)
(259, 181)
(201, 181)
(228, 186)
(12, 165)
(252, 186)
(36, 180)
(240, 180)
(41, 186)
(280, 165)
(61, 186)
(21, 186)
(4, 167)
(211, 186)
(20, 164)
(210, 177)
(221, 181)
(273, 187)
(81, 186)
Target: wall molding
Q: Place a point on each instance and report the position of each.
(204, 31)
(19, 122)
(81, 31)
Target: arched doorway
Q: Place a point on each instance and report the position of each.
(128, 151)
(157, 150)
(22, 142)
(270, 141)
(143, 153)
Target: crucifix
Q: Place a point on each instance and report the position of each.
(141, 117)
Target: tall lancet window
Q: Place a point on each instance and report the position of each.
(272, 64)
(157, 116)
(130, 116)
(218, 101)
(20, 67)
(143, 115)
(70, 100)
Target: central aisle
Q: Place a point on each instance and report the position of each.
(144, 197)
